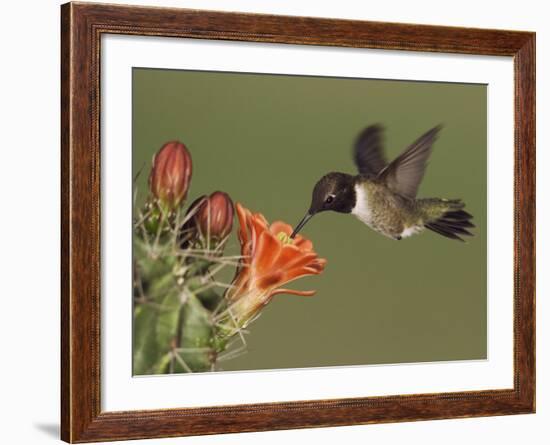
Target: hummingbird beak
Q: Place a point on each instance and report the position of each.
(301, 224)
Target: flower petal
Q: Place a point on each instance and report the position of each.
(258, 223)
(266, 253)
(303, 243)
(261, 218)
(292, 274)
(291, 257)
(279, 226)
(242, 214)
(303, 293)
(257, 226)
(319, 264)
(269, 281)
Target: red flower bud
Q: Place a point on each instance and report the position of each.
(212, 217)
(171, 174)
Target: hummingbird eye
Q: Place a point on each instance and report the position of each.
(329, 199)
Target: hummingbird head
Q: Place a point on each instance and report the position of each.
(334, 191)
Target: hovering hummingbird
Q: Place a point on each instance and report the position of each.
(383, 195)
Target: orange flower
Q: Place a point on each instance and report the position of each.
(270, 259)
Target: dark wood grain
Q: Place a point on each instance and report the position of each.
(66, 414)
(81, 28)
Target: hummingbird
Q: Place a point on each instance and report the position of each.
(383, 195)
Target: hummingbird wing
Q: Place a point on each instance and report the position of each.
(404, 174)
(368, 151)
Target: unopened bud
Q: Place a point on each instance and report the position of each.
(211, 218)
(171, 174)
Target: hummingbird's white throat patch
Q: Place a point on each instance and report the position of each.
(361, 209)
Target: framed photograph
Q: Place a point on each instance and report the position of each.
(275, 222)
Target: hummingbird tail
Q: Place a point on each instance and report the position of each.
(452, 222)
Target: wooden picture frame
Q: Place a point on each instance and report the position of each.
(82, 26)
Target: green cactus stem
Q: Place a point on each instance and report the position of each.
(176, 298)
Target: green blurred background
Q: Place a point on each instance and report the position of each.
(266, 139)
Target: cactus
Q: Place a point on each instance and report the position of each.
(187, 319)
(176, 297)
